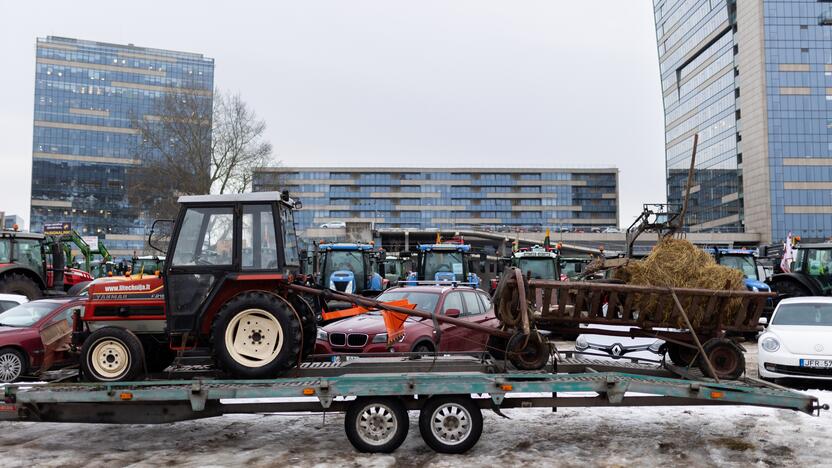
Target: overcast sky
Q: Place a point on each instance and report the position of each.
(551, 83)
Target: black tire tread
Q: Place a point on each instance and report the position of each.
(426, 414)
(15, 283)
(135, 370)
(355, 409)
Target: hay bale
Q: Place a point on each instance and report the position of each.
(680, 264)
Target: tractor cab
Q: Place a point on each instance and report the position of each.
(810, 274)
(444, 263)
(34, 265)
(744, 261)
(537, 262)
(348, 267)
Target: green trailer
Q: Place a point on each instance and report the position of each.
(376, 393)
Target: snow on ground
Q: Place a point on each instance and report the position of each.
(606, 437)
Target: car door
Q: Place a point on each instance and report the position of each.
(474, 340)
(452, 335)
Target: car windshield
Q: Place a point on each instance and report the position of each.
(743, 263)
(540, 268)
(342, 260)
(443, 262)
(5, 250)
(26, 315)
(804, 314)
(425, 301)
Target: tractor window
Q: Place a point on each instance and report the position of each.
(290, 240)
(538, 268)
(443, 266)
(206, 237)
(818, 262)
(28, 252)
(5, 250)
(259, 240)
(743, 263)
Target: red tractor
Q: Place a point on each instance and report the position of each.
(33, 265)
(223, 292)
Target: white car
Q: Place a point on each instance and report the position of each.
(7, 301)
(797, 343)
(334, 225)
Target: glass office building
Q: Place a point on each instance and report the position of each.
(88, 96)
(454, 198)
(754, 80)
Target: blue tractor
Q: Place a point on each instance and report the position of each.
(444, 263)
(746, 262)
(347, 267)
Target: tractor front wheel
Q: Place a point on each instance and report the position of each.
(256, 335)
(112, 354)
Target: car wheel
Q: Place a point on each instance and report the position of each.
(256, 335)
(12, 365)
(376, 425)
(450, 424)
(423, 348)
(112, 354)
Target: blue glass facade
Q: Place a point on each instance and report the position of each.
(87, 98)
(531, 199)
(754, 79)
(798, 70)
(696, 59)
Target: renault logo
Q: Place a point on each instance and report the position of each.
(818, 347)
(616, 349)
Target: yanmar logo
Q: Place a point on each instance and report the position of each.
(127, 288)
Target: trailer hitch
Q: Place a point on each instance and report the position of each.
(817, 408)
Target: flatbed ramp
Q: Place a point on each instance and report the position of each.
(377, 404)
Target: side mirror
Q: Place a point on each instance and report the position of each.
(453, 313)
(763, 321)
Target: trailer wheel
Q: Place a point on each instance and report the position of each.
(450, 424)
(256, 335)
(528, 352)
(376, 425)
(726, 356)
(112, 354)
(682, 355)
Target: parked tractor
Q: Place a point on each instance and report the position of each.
(746, 262)
(444, 263)
(348, 268)
(229, 261)
(537, 262)
(810, 274)
(34, 265)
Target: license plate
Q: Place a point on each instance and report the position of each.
(821, 363)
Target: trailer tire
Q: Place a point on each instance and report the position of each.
(496, 346)
(682, 356)
(256, 335)
(112, 354)
(376, 425)
(528, 352)
(450, 424)
(15, 283)
(726, 356)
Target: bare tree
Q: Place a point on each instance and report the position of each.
(191, 146)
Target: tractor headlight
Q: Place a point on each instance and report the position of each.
(755, 289)
(581, 343)
(323, 335)
(770, 344)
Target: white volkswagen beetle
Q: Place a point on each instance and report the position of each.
(797, 343)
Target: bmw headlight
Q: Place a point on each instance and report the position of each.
(323, 335)
(581, 343)
(770, 344)
(380, 338)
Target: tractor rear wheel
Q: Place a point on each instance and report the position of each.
(309, 323)
(256, 335)
(15, 283)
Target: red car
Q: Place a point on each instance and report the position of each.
(366, 333)
(24, 330)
